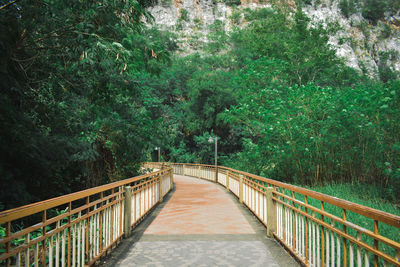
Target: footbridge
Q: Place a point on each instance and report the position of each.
(198, 215)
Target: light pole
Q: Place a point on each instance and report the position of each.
(159, 151)
(215, 140)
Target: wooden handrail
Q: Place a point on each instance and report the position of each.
(312, 239)
(87, 229)
(372, 213)
(30, 209)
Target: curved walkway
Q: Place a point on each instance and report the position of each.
(200, 224)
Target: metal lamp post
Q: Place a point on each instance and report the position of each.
(159, 151)
(215, 140)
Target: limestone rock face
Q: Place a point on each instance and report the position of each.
(362, 45)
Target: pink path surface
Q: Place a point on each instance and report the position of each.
(199, 207)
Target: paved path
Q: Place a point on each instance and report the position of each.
(200, 224)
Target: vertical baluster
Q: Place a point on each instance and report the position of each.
(280, 221)
(359, 263)
(36, 255)
(101, 216)
(287, 223)
(120, 215)
(112, 220)
(73, 229)
(94, 233)
(141, 209)
(148, 196)
(18, 260)
(309, 242)
(248, 195)
(69, 234)
(322, 238)
(58, 245)
(106, 227)
(306, 234)
(83, 242)
(344, 240)
(63, 248)
(314, 251)
(134, 198)
(318, 247)
(296, 244)
(289, 216)
(277, 223)
(333, 245)
(366, 258)
(253, 200)
(338, 249)
(98, 230)
(291, 228)
(27, 255)
(259, 204)
(78, 241)
(303, 237)
(8, 244)
(351, 258)
(327, 247)
(116, 221)
(103, 231)
(265, 208)
(90, 221)
(294, 225)
(140, 201)
(376, 244)
(50, 251)
(283, 217)
(43, 258)
(109, 225)
(245, 194)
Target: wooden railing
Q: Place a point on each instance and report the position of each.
(319, 230)
(76, 229)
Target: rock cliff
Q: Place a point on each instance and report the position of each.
(364, 46)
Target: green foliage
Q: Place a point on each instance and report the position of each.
(236, 17)
(74, 113)
(348, 7)
(184, 15)
(374, 10)
(311, 134)
(368, 195)
(89, 92)
(256, 14)
(233, 2)
(217, 37)
(386, 31)
(307, 56)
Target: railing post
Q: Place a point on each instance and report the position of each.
(241, 188)
(227, 180)
(183, 169)
(127, 210)
(199, 172)
(160, 196)
(171, 178)
(270, 213)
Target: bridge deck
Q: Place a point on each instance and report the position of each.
(199, 224)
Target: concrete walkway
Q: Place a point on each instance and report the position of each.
(199, 224)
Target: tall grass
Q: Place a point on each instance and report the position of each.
(367, 195)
